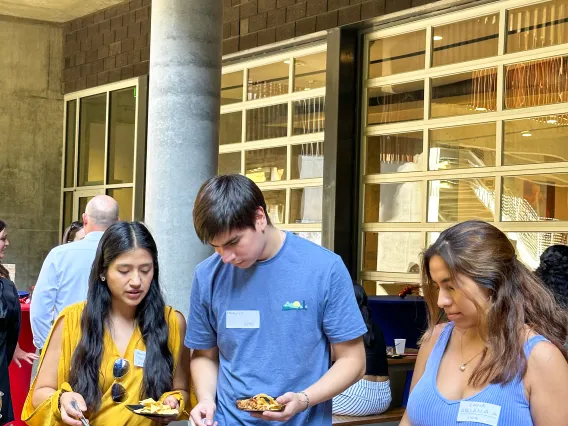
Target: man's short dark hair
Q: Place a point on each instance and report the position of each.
(226, 203)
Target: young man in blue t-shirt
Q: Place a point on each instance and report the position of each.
(266, 309)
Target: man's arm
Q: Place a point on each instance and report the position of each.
(204, 369)
(349, 367)
(43, 301)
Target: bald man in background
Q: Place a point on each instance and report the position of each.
(64, 276)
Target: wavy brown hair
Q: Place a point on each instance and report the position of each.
(483, 253)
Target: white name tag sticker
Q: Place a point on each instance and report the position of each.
(479, 412)
(243, 319)
(139, 358)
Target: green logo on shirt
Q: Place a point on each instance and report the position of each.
(295, 306)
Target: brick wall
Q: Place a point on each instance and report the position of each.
(110, 45)
(253, 23)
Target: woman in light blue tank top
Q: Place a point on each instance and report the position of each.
(500, 360)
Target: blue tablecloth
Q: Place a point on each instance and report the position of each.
(400, 318)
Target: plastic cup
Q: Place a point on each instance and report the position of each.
(400, 345)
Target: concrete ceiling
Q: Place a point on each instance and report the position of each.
(53, 10)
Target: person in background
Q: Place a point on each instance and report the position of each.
(553, 272)
(120, 346)
(372, 394)
(501, 356)
(10, 319)
(265, 310)
(64, 276)
(74, 232)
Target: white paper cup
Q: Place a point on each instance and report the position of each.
(399, 345)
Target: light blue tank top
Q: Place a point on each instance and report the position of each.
(427, 407)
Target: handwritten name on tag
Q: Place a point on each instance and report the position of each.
(480, 412)
(243, 319)
(139, 358)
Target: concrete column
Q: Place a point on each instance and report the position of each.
(182, 147)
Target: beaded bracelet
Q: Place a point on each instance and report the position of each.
(307, 401)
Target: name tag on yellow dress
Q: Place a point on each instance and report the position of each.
(243, 319)
(479, 412)
(139, 358)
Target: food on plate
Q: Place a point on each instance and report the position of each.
(260, 402)
(154, 407)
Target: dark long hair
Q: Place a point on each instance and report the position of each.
(484, 254)
(3, 271)
(362, 301)
(553, 272)
(71, 231)
(86, 362)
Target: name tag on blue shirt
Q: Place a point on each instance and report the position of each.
(243, 319)
(479, 412)
(139, 358)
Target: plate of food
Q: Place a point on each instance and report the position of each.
(259, 403)
(151, 408)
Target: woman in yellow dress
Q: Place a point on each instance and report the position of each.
(121, 346)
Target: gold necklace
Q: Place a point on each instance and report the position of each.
(463, 365)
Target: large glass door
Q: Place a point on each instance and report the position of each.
(80, 200)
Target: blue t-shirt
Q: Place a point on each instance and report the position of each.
(305, 301)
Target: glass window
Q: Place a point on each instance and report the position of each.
(309, 116)
(229, 163)
(313, 236)
(536, 83)
(538, 25)
(83, 201)
(536, 140)
(462, 147)
(530, 245)
(268, 80)
(386, 288)
(306, 205)
(67, 210)
(92, 126)
(310, 72)
(70, 126)
(471, 92)
(392, 104)
(121, 136)
(393, 202)
(123, 197)
(276, 205)
(394, 153)
(475, 38)
(267, 123)
(232, 88)
(456, 200)
(230, 128)
(532, 198)
(397, 54)
(391, 251)
(307, 161)
(266, 165)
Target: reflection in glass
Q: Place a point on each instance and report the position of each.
(268, 80)
(393, 202)
(471, 92)
(229, 163)
(391, 251)
(70, 126)
(267, 123)
(399, 102)
(230, 128)
(306, 205)
(530, 245)
(92, 126)
(123, 197)
(232, 88)
(465, 40)
(462, 147)
(533, 198)
(309, 116)
(456, 200)
(309, 72)
(313, 236)
(121, 136)
(535, 83)
(397, 54)
(67, 210)
(275, 205)
(394, 153)
(536, 140)
(539, 25)
(266, 165)
(307, 161)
